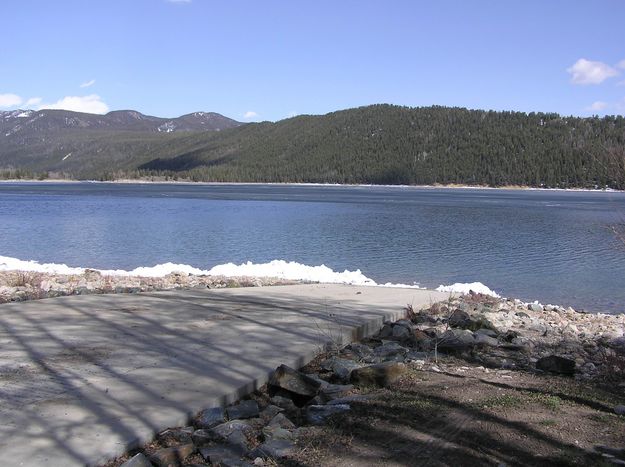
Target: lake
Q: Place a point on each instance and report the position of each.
(553, 246)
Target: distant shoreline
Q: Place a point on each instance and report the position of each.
(363, 185)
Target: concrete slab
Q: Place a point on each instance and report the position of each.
(84, 378)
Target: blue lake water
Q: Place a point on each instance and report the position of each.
(552, 246)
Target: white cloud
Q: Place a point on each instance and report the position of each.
(32, 102)
(9, 100)
(621, 65)
(588, 72)
(89, 104)
(88, 83)
(250, 114)
(597, 106)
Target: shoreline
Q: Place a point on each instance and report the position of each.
(357, 185)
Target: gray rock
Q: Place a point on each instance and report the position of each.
(486, 341)
(211, 417)
(486, 332)
(204, 437)
(173, 456)
(243, 410)
(361, 350)
(317, 414)
(239, 440)
(271, 411)
(401, 332)
(341, 368)
(224, 430)
(276, 432)
(274, 449)
(556, 364)
(173, 436)
(619, 410)
(294, 381)
(415, 356)
(386, 331)
(456, 339)
(283, 402)
(535, 307)
(389, 350)
(460, 319)
(381, 374)
(334, 391)
(138, 460)
(220, 455)
(281, 421)
(522, 314)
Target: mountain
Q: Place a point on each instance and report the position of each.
(379, 144)
(21, 123)
(81, 144)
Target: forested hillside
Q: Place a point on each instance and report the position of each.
(382, 144)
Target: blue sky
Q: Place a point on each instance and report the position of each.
(267, 60)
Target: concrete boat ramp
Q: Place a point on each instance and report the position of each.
(84, 378)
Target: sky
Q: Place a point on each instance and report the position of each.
(269, 60)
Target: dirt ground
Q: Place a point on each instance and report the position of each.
(454, 414)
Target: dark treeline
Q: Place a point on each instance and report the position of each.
(385, 144)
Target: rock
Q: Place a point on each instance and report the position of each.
(317, 414)
(294, 381)
(138, 460)
(275, 432)
(619, 410)
(173, 436)
(381, 374)
(360, 350)
(204, 437)
(522, 314)
(389, 350)
(556, 364)
(224, 430)
(535, 307)
(341, 368)
(221, 455)
(386, 331)
(239, 440)
(401, 332)
(281, 421)
(329, 391)
(283, 402)
(486, 332)
(210, 417)
(274, 449)
(460, 319)
(172, 457)
(456, 339)
(415, 355)
(243, 410)
(271, 411)
(486, 341)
